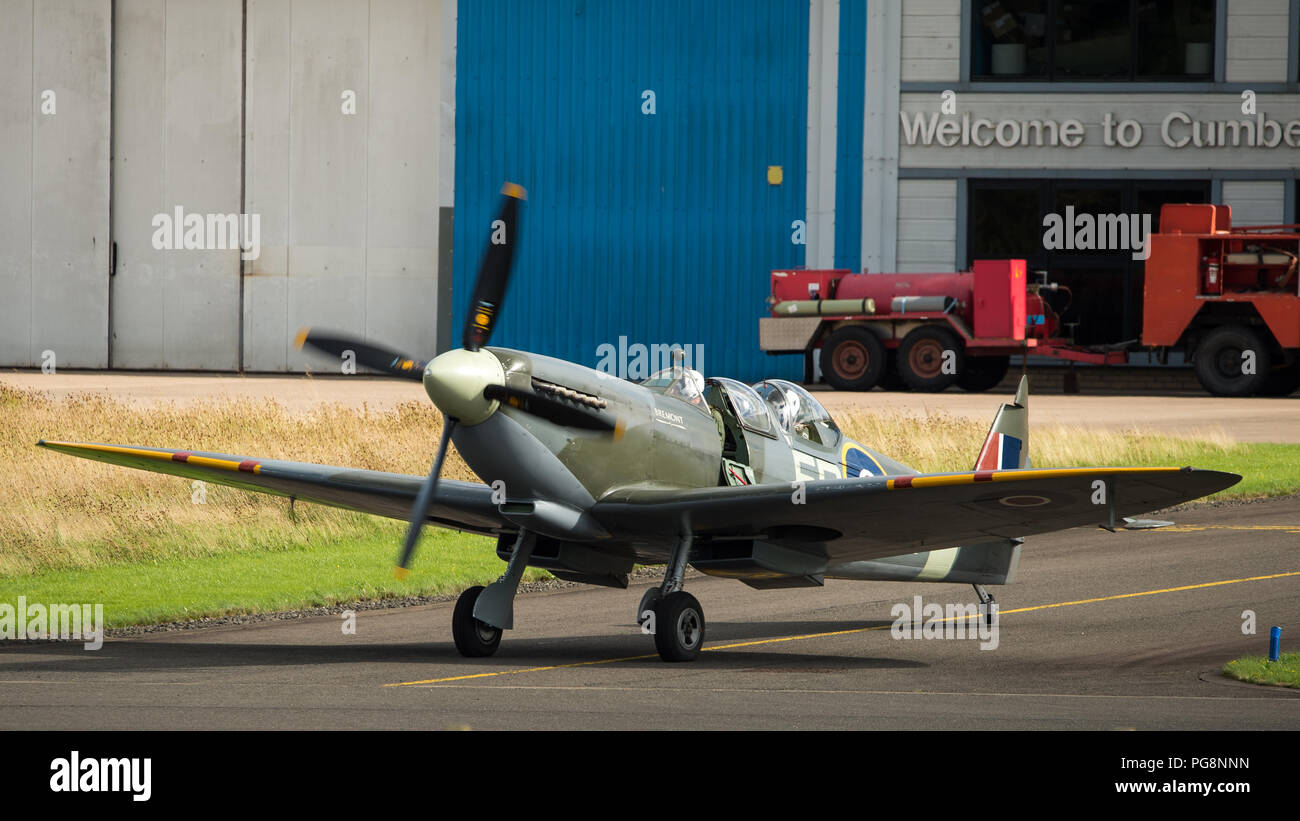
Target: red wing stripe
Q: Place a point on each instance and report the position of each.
(248, 466)
(984, 476)
(903, 481)
(182, 456)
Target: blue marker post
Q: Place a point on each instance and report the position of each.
(1274, 643)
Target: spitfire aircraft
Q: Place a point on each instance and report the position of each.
(750, 482)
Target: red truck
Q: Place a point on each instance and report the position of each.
(1226, 297)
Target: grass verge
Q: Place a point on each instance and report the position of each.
(1284, 672)
(353, 564)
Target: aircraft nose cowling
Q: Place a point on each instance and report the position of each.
(455, 382)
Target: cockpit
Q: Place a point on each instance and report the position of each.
(798, 413)
(680, 382)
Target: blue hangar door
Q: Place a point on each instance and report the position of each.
(663, 147)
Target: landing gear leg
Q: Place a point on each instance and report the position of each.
(986, 603)
(678, 618)
(497, 604)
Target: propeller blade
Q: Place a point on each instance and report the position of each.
(553, 410)
(372, 356)
(493, 272)
(424, 501)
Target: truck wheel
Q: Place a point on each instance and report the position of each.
(1281, 381)
(930, 359)
(853, 359)
(1222, 359)
(982, 372)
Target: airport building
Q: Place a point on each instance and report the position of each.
(188, 182)
(1102, 107)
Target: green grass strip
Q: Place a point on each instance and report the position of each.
(1284, 672)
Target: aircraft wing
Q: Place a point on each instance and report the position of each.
(458, 505)
(869, 518)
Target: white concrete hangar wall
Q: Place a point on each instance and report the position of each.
(351, 205)
(223, 107)
(54, 122)
(176, 144)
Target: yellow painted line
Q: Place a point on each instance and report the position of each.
(830, 633)
(1151, 592)
(1196, 528)
(524, 670)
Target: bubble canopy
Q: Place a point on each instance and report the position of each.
(748, 406)
(798, 413)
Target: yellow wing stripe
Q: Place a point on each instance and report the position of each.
(1014, 476)
(183, 457)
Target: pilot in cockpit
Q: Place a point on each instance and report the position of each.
(680, 381)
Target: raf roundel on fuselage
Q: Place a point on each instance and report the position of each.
(858, 463)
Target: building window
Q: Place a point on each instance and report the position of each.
(1104, 301)
(1092, 40)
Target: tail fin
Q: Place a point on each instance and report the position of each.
(1007, 445)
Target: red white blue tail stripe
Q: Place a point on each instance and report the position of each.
(1000, 452)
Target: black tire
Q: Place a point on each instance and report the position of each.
(1281, 381)
(1219, 361)
(648, 601)
(852, 359)
(679, 627)
(921, 358)
(982, 372)
(474, 639)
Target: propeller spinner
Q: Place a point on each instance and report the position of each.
(466, 384)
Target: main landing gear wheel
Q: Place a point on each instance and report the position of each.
(679, 627)
(474, 639)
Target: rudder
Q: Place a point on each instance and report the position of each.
(1007, 445)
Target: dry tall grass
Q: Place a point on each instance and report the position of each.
(60, 511)
(937, 442)
(57, 511)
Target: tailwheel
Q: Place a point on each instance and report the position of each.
(679, 627)
(474, 639)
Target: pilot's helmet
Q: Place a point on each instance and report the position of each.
(786, 406)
